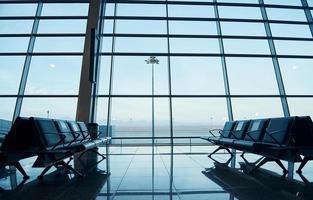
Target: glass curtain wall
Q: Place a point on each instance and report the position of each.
(40, 58)
(218, 60)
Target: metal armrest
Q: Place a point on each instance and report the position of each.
(60, 141)
(213, 130)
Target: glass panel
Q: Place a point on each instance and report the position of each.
(285, 14)
(104, 75)
(144, 45)
(10, 74)
(59, 44)
(131, 117)
(15, 26)
(194, 45)
(6, 112)
(56, 108)
(195, 117)
(141, 10)
(54, 75)
(251, 76)
(14, 44)
(291, 30)
(197, 75)
(18, 9)
(239, 12)
(284, 2)
(106, 44)
(65, 9)
(102, 113)
(193, 27)
(246, 29)
(246, 46)
(190, 11)
(132, 75)
(141, 26)
(294, 47)
(297, 75)
(300, 106)
(254, 108)
(62, 26)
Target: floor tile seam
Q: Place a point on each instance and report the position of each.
(125, 173)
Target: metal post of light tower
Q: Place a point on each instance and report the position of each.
(153, 61)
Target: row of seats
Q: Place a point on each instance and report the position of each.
(286, 138)
(51, 140)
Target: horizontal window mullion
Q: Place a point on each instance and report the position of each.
(204, 55)
(41, 17)
(205, 19)
(203, 96)
(45, 35)
(41, 54)
(203, 36)
(204, 3)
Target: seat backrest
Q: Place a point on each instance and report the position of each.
(83, 128)
(46, 131)
(256, 130)
(228, 127)
(20, 137)
(75, 129)
(280, 129)
(240, 129)
(303, 131)
(63, 128)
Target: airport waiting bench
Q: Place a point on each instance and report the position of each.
(275, 139)
(51, 140)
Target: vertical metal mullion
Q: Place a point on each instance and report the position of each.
(225, 75)
(27, 62)
(111, 71)
(308, 14)
(97, 58)
(169, 76)
(278, 75)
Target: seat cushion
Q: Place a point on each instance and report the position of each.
(226, 141)
(244, 145)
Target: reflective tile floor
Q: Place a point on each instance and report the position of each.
(159, 173)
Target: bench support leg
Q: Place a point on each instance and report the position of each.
(67, 166)
(303, 163)
(265, 160)
(247, 162)
(19, 167)
(216, 150)
(40, 177)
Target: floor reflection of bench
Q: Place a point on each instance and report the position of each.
(52, 141)
(262, 184)
(275, 139)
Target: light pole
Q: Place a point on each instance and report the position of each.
(153, 61)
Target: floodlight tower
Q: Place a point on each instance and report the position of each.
(153, 61)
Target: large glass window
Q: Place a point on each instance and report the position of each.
(197, 76)
(251, 76)
(10, 73)
(57, 108)
(297, 76)
(54, 75)
(251, 108)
